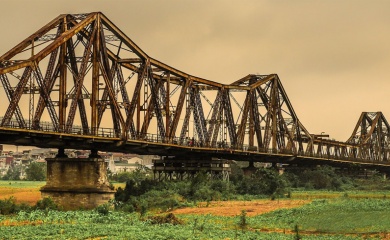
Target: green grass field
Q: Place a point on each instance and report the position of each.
(329, 215)
(355, 194)
(119, 225)
(22, 184)
(342, 216)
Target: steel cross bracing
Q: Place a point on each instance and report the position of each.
(98, 89)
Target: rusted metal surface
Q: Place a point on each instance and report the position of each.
(99, 90)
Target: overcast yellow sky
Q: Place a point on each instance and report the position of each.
(332, 56)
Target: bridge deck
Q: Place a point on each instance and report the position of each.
(153, 145)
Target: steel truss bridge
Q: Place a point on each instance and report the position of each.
(79, 82)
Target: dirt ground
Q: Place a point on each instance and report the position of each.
(234, 208)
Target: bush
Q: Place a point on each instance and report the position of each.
(127, 207)
(133, 188)
(8, 206)
(198, 181)
(204, 193)
(264, 182)
(123, 177)
(36, 171)
(164, 200)
(242, 223)
(46, 204)
(103, 209)
(13, 173)
(225, 188)
(322, 177)
(170, 218)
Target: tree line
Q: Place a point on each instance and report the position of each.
(35, 171)
(142, 193)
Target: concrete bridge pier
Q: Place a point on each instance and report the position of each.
(250, 170)
(77, 183)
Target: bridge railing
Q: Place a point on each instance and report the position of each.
(46, 126)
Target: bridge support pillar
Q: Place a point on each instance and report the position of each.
(187, 168)
(251, 169)
(77, 183)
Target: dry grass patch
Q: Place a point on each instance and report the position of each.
(234, 208)
(22, 191)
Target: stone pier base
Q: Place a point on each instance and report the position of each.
(250, 170)
(77, 183)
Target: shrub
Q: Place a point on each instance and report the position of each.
(123, 177)
(8, 206)
(103, 209)
(243, 221)
(13, 173)
(322, 177)
(164, 200)
(127, 207)
(36, 172)
(222, 187)
(263, 182)
(46, 204)
(170, 218)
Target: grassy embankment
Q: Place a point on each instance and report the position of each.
(342, 218)
(28, 192)
(327, 215)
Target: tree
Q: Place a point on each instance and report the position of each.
(36, 172)
(264, 181)
(13, 173)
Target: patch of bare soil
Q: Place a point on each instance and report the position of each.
(234, 208)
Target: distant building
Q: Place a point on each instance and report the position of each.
(3, 165)
(117, 162)
(126, 165)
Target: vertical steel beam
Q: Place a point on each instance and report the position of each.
(244, 120)
(95, 78)
(63, 76)
(274, 109)
(256, 119)
(251, 136)
(138, 104)
(167, 102)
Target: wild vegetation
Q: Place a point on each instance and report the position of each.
(35, 171)
(334, 206)
(142, 193)
(322, 219)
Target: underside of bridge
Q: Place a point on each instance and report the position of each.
(80, 83)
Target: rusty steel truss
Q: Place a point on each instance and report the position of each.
(81, 77)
